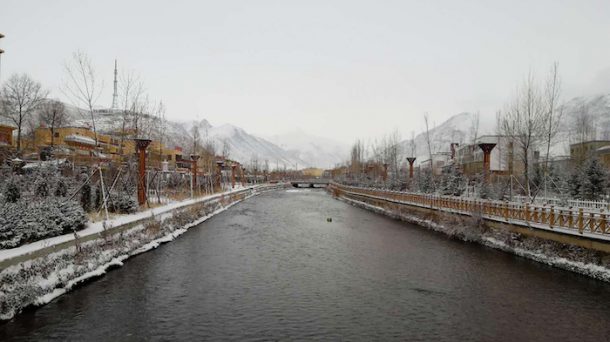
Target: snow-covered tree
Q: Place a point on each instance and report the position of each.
(594, 180)
(453, 181)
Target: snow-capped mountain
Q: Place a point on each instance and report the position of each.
(313, 150)
(248, 148)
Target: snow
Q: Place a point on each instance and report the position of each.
(79, 139)
(589, 269)
(41, 280)
(97, 227)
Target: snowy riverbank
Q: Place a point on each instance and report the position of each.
(572, 258)
(39, 280)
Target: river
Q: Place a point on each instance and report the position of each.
(273, 268)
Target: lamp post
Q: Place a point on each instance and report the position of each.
(1, 52)
(141, 145)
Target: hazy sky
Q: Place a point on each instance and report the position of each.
(342, 69)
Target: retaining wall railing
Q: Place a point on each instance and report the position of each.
(592, 223)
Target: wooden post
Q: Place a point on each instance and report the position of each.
(579, 221)
(141, 145)
(233, 166)
(487, 159)
(411, 160)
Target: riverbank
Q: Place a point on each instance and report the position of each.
(586, 261)
(37, 273)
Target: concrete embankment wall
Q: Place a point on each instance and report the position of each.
(566, 250)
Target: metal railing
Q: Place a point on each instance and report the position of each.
(582, 221)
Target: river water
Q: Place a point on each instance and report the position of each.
(273, 268)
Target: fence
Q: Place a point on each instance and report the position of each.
(564, 202)
(582, 221)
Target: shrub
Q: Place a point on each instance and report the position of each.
(23, 222)
(61, 190)
(122, 203)
(41, 187)
(12, 192)
(85, 197)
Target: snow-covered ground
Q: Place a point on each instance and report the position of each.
(40, 280)
(98, 227)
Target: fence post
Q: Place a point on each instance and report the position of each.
(602, 222)
(580, 221)
(552, 217)
(527, 212)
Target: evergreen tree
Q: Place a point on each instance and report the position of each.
(61, 190)
(453, 182)
(594, 180)
(12, 192)
(41, 187)
(425, 182)
(574, 184)
(85, 197)
(98, 197)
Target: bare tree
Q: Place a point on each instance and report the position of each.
(20, 97)
(53, 115)
(551, 96)
(524, 121)
(130, 87)
(82, 84)
(226, 148)
(584, 124)
(474, 127)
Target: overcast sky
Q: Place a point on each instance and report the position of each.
(341, 69)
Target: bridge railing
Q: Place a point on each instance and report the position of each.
(584, 221)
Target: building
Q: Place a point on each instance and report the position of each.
(580, 152)
(505, 158)
(438, 161)
(6, 135)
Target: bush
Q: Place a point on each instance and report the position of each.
(23, 222)
(85, 197)
(62, 189)
(122, 203)
(12, 192)
(41, 187)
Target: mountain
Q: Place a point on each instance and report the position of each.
(313, 150)
(247, 148)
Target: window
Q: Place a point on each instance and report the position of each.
(56, 134)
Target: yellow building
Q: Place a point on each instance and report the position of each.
(6, 135)
(80, 141)
(312, 172)
(580, 152)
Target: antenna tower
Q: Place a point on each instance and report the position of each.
(115, 95)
